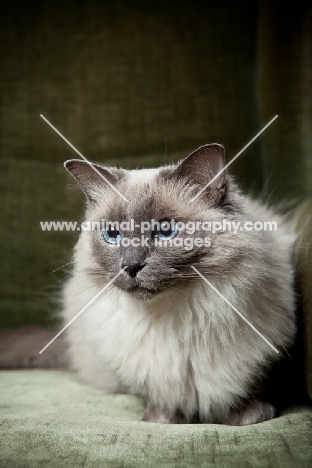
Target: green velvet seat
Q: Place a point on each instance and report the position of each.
(49, 419)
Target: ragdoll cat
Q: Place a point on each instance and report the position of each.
(159, 330)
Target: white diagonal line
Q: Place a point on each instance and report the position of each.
(235, 310)
(232, 160)
(82, 310)
(84, 158)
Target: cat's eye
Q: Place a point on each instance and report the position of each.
(167, 229)
(112, 235)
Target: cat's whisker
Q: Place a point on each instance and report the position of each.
(62, 266)
(86, 289)
(55, 282)
(175, 286)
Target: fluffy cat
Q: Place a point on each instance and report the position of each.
(159, 330)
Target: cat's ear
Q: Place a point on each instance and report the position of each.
(201, 167)
(91, 177)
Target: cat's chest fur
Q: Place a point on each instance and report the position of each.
(170, 352)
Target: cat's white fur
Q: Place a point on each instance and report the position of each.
(185, 349)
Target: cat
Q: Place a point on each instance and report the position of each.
(159, 331)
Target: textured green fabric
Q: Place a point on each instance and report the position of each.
(120, 78)
(127, 83)
(48, 419)
(285, 88)
(139, 84)
(303, 256)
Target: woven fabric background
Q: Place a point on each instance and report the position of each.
(139, 84)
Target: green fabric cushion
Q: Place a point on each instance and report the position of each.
(49, 419)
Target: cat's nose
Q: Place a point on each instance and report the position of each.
(132, 270)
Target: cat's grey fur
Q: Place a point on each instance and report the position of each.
(165, 335)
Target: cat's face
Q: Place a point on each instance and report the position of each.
(158, 234)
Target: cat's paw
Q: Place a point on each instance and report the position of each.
(152, 414)
(253, 412)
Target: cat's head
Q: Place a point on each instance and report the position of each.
(122, 206)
